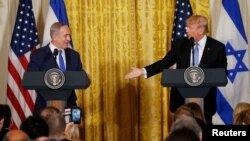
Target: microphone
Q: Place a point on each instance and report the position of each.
(191, 44)
(55, 53)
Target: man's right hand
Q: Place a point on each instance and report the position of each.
(134, 73)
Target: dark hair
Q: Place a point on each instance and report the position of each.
(183, 134)
(6, 114)
(55, 28)
(35, 127)
(47, 111)
(56, 124)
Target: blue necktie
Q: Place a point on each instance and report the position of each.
(196, 55)
(61, 61)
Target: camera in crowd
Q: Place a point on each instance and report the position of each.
(72, 114)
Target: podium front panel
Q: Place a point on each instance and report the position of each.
(175, 78)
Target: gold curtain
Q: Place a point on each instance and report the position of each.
(112, 36)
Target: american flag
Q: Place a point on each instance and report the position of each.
(183, 10)
(24, 40)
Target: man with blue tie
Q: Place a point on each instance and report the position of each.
(208, 53)
(55, 55)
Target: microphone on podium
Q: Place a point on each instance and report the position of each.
(191, 41)
(55, 53)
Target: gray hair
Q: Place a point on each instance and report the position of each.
(55, 28)
(186, 122)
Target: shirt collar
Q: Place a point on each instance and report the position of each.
(53, 47)
(202, 41)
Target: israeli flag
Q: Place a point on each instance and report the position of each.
(231, 32)
(56, 13)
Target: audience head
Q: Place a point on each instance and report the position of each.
(16, 135)
(5, 116)
(243, 118)
(239, 108)
(57, 124)
(35, 127)
(47, 111)
(183, 134)
(183, 110)
(196, 110)
(189, 122)
(193, 110)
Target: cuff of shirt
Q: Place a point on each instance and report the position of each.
(145, 73)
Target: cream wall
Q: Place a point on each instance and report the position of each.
(6, 24)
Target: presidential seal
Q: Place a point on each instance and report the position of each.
(194, 76)
(54, 78)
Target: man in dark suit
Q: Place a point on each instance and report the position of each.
(45, 58)
(212, 54)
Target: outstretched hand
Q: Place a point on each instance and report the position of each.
(134, 73)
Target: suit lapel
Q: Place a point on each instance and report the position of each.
(50, 57)
(205, 55)
(67, 57)
(187, 55)
(188, 62)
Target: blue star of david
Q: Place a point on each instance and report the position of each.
(240, 66)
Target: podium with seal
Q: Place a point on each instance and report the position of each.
(55, 85)
(194, 82)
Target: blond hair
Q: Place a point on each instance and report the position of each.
(199, 20)
(242, 106)
(243, 118)
(55, 28)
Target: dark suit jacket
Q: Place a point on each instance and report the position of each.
(214, 56)
(42, 59)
